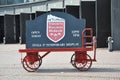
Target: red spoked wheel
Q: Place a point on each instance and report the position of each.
(83, 63)
(31, 66)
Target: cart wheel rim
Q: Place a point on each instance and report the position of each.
(73, 60)
(31, 67)
(36, 64)
(84, 65)
(26, 67)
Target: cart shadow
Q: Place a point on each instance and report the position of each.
(57, 70)
(77, 71)
(104, 70)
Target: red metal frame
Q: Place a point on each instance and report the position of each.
(54, 49)
(84, 48)
(84, 36)
(48, 50)
(91, 44)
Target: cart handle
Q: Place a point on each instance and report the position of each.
(84, 36)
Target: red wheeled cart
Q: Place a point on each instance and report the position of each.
(80, 59)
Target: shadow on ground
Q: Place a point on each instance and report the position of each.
(76, 71)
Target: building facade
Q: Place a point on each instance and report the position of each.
(98, 15)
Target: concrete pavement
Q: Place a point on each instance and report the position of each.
(56, 66)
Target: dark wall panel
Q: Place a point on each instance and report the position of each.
(17, 24)
(33, 16)
(38, 13)
(88, 13)
(9, 29)
(1, 28)
(57, 10)
(23, 18)
(73, 10)
(115, 19)
(103, 22)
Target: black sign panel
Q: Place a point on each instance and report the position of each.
(54, 30)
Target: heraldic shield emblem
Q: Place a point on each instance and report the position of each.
(55, 28)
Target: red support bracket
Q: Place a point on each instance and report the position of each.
(84, 36)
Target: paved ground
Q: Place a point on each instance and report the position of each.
(56, 66)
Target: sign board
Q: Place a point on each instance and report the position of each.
(54, 30)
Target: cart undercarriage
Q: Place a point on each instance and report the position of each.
(80, 59)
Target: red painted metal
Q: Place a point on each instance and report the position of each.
(31, 62)
(84, 36)
(32, 53)
(91, 44)
(54, 49)
(79, 58)
(32, 57)
(45, 54)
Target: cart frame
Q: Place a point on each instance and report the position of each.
(80, 59)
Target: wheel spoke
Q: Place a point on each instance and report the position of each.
(82, 64)
(31, 66)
